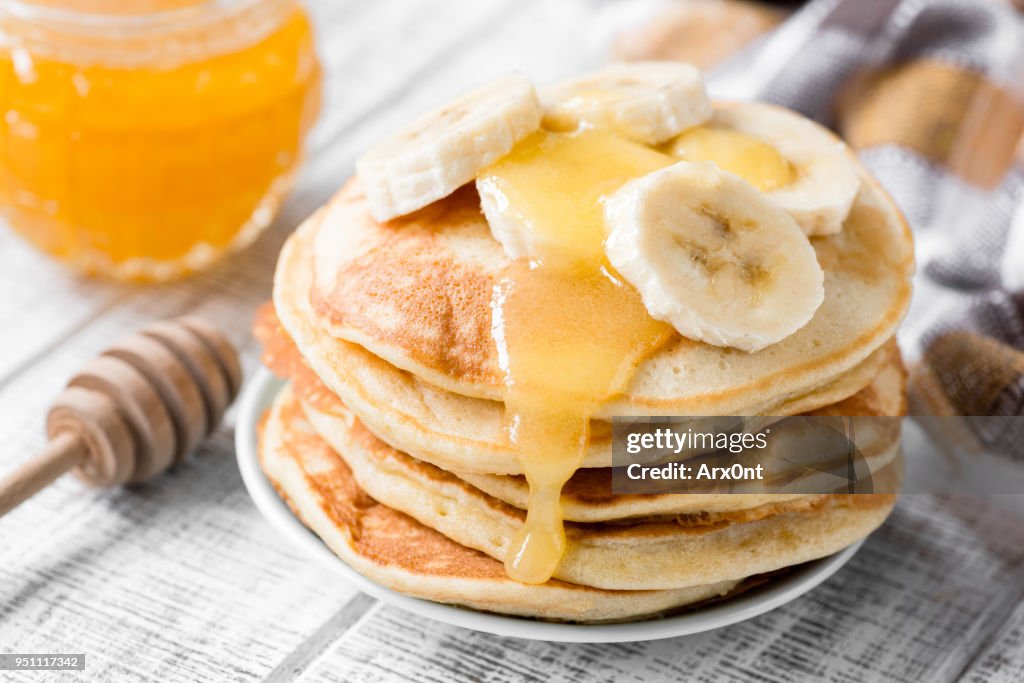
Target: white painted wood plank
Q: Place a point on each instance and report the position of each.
(176, 580)
(40, 302)
(1002, 659)
(919, 598)
(373, 52)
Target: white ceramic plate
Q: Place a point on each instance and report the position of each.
(257, 398)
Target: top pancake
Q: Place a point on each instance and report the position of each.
(454, 432)
(416, 292)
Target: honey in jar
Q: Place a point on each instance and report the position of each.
(142, 139)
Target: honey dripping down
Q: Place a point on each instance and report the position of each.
(569, 331)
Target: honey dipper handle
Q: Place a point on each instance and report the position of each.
(63, 453)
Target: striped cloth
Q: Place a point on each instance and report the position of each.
(931, 95)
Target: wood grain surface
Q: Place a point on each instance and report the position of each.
(180, 579)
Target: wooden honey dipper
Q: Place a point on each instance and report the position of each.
(134, 411)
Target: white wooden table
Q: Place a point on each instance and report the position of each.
(181, 580)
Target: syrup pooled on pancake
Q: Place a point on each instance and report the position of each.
(757, 162)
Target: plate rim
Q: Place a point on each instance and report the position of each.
(257, 396)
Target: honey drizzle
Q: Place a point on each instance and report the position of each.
(569, 331)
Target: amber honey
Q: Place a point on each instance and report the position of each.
(557, 374)
(755, 161)
(569, 331)
(143, 143)
(554, 182)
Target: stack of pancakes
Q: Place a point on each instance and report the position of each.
(389, 441)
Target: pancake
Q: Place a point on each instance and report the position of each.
(416, 293)
(587, 496)
(450, 430)
(399, 553)
(643, 556)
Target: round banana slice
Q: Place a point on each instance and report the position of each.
(648, 102)
(444, 149)
(803, 167)
(713, 257)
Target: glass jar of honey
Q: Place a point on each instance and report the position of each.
(142, 139)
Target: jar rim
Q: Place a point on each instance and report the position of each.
(168, 37)
(142, 19)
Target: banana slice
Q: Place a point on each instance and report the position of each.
(759, 141)
(648, 102)
(444, 149)
(713, 257)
